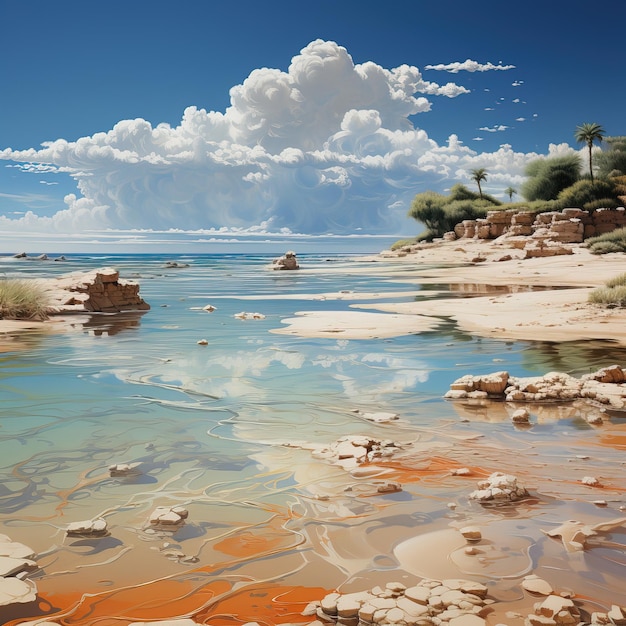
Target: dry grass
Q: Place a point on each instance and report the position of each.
(22, 300)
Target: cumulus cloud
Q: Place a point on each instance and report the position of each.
(324, 147)
(468, 66)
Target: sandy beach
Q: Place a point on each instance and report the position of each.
(537, 299)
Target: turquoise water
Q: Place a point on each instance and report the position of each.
(227, 428)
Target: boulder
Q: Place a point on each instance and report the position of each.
(286, 262)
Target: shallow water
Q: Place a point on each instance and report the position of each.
(229, 430)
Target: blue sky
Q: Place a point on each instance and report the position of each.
(198, 121)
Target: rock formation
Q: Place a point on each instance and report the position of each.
(603, 386)
(286, 262)
(99, 290)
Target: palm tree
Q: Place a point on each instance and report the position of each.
(477, 176)
(588, 133)
(509, 191)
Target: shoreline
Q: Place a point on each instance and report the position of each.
(491, 291)
(540, 299)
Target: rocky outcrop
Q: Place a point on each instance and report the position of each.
(604, 386)
(99, 290)
(498, 487)
(286, 262)
(566, 226)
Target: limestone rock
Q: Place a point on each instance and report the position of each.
(87, 528)
(498, 487)
(168, 518)
(534, 584)
(99, 290)
(471, 533)
(124, 469)
(243, 315)
(286, 262)
(17, 591)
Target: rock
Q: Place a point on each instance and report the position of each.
(87, 528)
(286, 262)
(534, 584)
(471, 533)
(380, 417)
(10, 566)
(388, 487)
(17, 591)
(99, 290)
(209, 308)
(168, 518)
(499, 487)
(521, 416)
(591, 481)
(617, 615)
(461, 471)
(124, 469)
(202, 342)
(249, 316)
(14, 549)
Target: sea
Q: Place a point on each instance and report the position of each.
(235, 424)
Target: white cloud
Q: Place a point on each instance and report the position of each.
(520, 119)
(517, 83)
(325, 147)
(494, 129)
(468, 66)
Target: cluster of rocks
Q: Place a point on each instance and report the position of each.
(498, 487)
(245, 315)
(454, 602)
(40, 257)
(16, 563)
(99, 290)
(605, 386)
(287, 261)
(352, 451)
(567, 226)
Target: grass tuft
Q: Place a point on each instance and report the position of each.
(615, 241)
(22, 300)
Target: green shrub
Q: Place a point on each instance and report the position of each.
(22, 300)
(548, 177)
(585, 192)
(611, 296)
(615, 241)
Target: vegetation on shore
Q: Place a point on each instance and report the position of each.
(552, 184)
(613, 294)
(22, 300)
(615, 241)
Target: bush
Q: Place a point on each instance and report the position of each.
(585, 192)
(548, 177)
(603, 203)
(441, 214)
(22, 300)
(611, 296)
(615, 241)
(617, 281)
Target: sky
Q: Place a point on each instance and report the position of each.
(197, 125)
